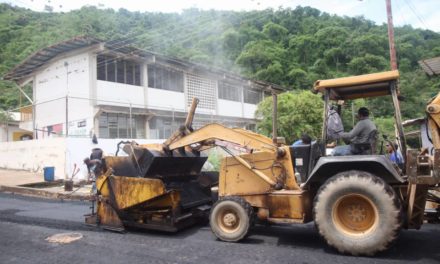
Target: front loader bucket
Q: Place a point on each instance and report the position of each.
(147, 163)
(158, 164)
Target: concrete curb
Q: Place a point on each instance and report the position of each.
(43, 193)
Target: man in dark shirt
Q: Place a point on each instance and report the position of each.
(358, 135)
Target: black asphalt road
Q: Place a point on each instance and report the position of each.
(25, 223)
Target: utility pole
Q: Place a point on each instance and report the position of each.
(393, 60)
(66, 64)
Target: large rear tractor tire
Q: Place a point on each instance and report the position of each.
(357, 213)
(231, 218)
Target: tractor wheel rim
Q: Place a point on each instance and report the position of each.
(228, 221)
(355, 214)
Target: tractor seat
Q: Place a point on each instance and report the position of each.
(368, 148)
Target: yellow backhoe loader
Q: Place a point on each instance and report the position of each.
(359, 203)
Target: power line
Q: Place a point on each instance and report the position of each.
(206, 25)
(413, 9)
(401, 15)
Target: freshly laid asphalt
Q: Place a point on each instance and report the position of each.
(26, 222)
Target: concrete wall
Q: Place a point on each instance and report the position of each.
(249, 110)
(166, 100)
(34, 155)
(119, 94)
(61, 153)
(229, 108)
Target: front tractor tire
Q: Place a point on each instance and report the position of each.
(357, 213)
(231, 218)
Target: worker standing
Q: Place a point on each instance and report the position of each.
(393, 154)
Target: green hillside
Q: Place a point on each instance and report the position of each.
(290, 47)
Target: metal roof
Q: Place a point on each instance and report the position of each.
(361, 86)
(431, 66)
(38, 59)
(42, 56)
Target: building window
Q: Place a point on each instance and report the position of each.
(228, 91)
(164, 127)
(165, 78)
(251, 96)
(112, 69)
(114, 125)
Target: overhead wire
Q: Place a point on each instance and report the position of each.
(400, 13)
(414, 10)
(206, 25)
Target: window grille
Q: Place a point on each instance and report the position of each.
(202, 88)
(164, 78)
(251, 96)
(115, 70)
(228, 91)
(164, 127)
(112, 125)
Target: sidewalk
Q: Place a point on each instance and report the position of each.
(33, 184)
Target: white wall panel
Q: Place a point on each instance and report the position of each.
(165, 100)
(249, 110)
(229, 108)
(120, 94)
(66, 76)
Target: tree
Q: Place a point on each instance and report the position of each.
(290, 47)
(298, 112)
(263, 59)
(275, 32)
(367, 64)
(302, 47)
(299, 79)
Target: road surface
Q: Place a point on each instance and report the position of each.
(25, 223)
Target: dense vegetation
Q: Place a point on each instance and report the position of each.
(290, 47)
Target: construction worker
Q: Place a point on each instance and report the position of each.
(360, 134)
(393, 154)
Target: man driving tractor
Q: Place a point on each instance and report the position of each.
(360, 134)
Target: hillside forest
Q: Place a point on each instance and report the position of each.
(289, 47)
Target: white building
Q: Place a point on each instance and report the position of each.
(85, 86)
(9, 128)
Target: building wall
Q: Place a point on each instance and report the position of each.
(10, 132)
(119, 94)
(163, 99)
(229, 108)
(65, 76)
(249, 110)
(34, 155)
(75, 75)
(61, 153)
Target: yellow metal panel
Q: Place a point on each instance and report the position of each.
(129, 191)
(211, 132)
(291, 183)
(102, 185)
(171, 199)
(287, 204)
(108, 217)
(236, 179)
(320, 85)
(259, 200)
